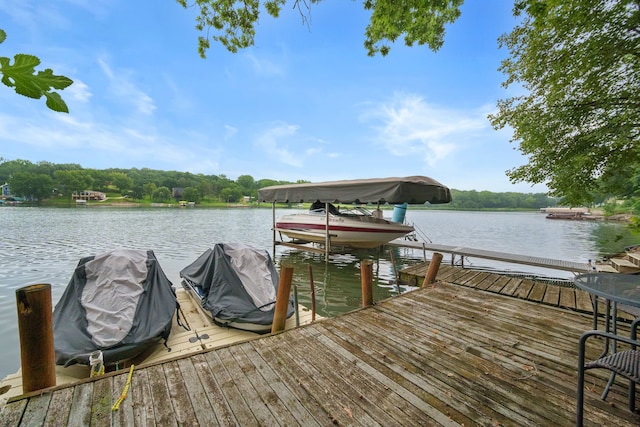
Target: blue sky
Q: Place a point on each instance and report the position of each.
(306, 102)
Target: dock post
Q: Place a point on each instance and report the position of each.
(273, 227)
(366, 277)
(282, 299)
(313, 294)
(432, 271)
(35, 328)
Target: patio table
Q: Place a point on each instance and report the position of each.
(615, 289)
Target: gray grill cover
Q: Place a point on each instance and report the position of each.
(238, 283)
(119, 302)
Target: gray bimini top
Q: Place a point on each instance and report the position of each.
(411, 190)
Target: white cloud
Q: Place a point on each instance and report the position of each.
(265, 67)
(409, 126)
(230, 132)
(274, 143)
(124, 89)
(78, 91)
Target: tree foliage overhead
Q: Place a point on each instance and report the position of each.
(579, 120)
(22, 77)
(233, 22)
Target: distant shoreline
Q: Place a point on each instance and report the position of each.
(594, 214)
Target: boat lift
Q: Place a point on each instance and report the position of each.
(410, 190)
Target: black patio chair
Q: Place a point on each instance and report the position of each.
(625, 363)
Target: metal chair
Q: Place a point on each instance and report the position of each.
(625, 363)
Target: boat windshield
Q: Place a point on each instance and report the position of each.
(319, 207)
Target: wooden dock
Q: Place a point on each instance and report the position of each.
(443, 355)
(203, 334)
(463, 251)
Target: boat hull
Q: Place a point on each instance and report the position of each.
(356, 232)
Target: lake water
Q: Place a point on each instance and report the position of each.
(43, 245)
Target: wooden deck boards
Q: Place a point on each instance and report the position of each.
(443, 355)
(549, 294)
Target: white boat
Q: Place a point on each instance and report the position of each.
(357, 227)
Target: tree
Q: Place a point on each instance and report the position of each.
(122, 181)
(579, 122)
(161, 195)
(31, 186)
(149, 188)
(137, 192)
(420, 22)
(71, 181)
(21, 76)
(191, 194)
(231, 194)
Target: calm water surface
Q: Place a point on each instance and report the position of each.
(43, 245)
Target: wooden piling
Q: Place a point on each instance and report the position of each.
(366, 276)
(432, 271)
(282, 299)
(313, 294)
(35, 328)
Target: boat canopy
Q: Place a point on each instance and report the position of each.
(412, 190)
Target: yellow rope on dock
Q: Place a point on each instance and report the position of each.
(123, 396)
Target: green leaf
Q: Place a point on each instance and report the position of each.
(21, 75)
(55, 102)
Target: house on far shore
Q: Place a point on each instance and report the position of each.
(89, 195)
(6, 189)
(176, 192)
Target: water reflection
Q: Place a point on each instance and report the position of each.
(338, 286)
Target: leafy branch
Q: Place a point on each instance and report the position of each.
(22, 76)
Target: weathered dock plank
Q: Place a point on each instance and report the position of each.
(547, 293)
(251, 396)
(59, 406)
(80, 414)
(36, 411)
(524, 289)
(441, 355)
(141, 399)
(552, 296)
(101, 403)
(240, 409)
(289, 399)
(164, 410)
(123, 417)
(511, 286)
(407, 385)
(213, 392)
(332, 400)
(13, 413)
(195, 392)
(183, 409)
(583, 301)
(498, 284)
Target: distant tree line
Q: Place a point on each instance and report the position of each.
(43, 180)
(479, 200)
